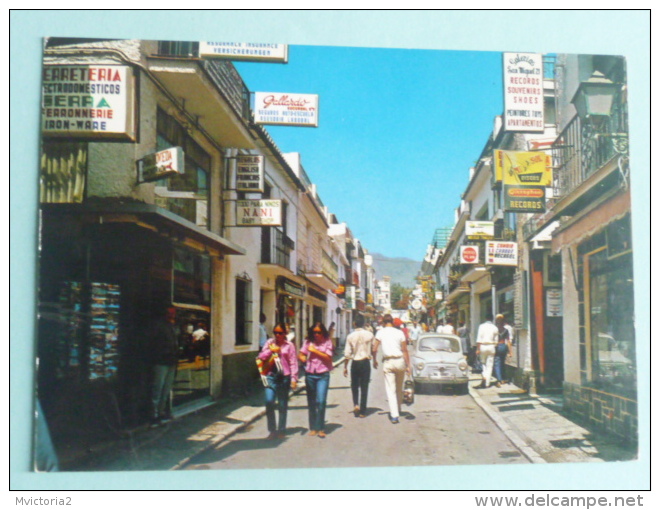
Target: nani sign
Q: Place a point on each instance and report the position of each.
(258, 213)
(276, 108)
(88, 102)
(523, 92)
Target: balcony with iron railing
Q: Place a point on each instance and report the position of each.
(588, 159)
(221, 72)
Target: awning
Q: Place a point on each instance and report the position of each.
(322, 280)
(544, 236)
(147, 216)
(475, 273)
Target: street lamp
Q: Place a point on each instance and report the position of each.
(594, 102)
(595, 97)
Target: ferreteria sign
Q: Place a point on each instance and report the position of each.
(88, 102)
(276, 108)
(479, 229)
(258, 213)
(250, 173)
(261, 52)
(523, 92)
(500, 253)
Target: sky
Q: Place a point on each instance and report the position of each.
(398, 131)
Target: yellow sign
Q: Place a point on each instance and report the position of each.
(523, 168)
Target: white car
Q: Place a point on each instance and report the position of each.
(438, 360)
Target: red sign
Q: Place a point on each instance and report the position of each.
(469, 255)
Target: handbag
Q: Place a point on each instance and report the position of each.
(408, 391)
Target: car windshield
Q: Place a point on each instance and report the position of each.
(438, 343)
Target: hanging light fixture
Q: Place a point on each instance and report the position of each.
(595, 97)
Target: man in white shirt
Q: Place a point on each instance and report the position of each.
(396, 363)
(358, 349)
(415, 331)
(487, 336)
(446, 328)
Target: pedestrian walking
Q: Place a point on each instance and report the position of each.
(463, 333)
(415, 331)
(445, 327)
(263, 332)
(358, 352)
(396, 363)
(502, 349)
(316, 354)
(487, 336)
(278, 367)
(164, 350)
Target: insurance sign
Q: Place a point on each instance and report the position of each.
(286, 109)
(260, 52)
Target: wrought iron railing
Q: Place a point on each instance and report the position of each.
(230, 83)
(276, 248)
(581, 149)
(222, 73)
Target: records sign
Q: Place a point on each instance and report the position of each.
(250, 173)
(283, 109)
(500, 253)
(523, 92)
(258, 213)
(518, 168)
(260, 52)
(524, 198)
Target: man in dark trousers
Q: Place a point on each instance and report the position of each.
(358, 349)
(165, 357)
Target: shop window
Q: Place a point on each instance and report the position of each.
(610, 326)
(243, 310)
(185, 194)
(552, 270)
(192, 277)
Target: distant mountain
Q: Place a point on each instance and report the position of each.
(400, 269)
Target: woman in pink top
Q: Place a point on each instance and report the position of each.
(278, 368)
(316, 353)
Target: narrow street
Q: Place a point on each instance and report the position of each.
(440, 428)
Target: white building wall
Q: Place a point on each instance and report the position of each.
(571, 319)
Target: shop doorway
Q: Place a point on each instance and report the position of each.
(193, 376)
